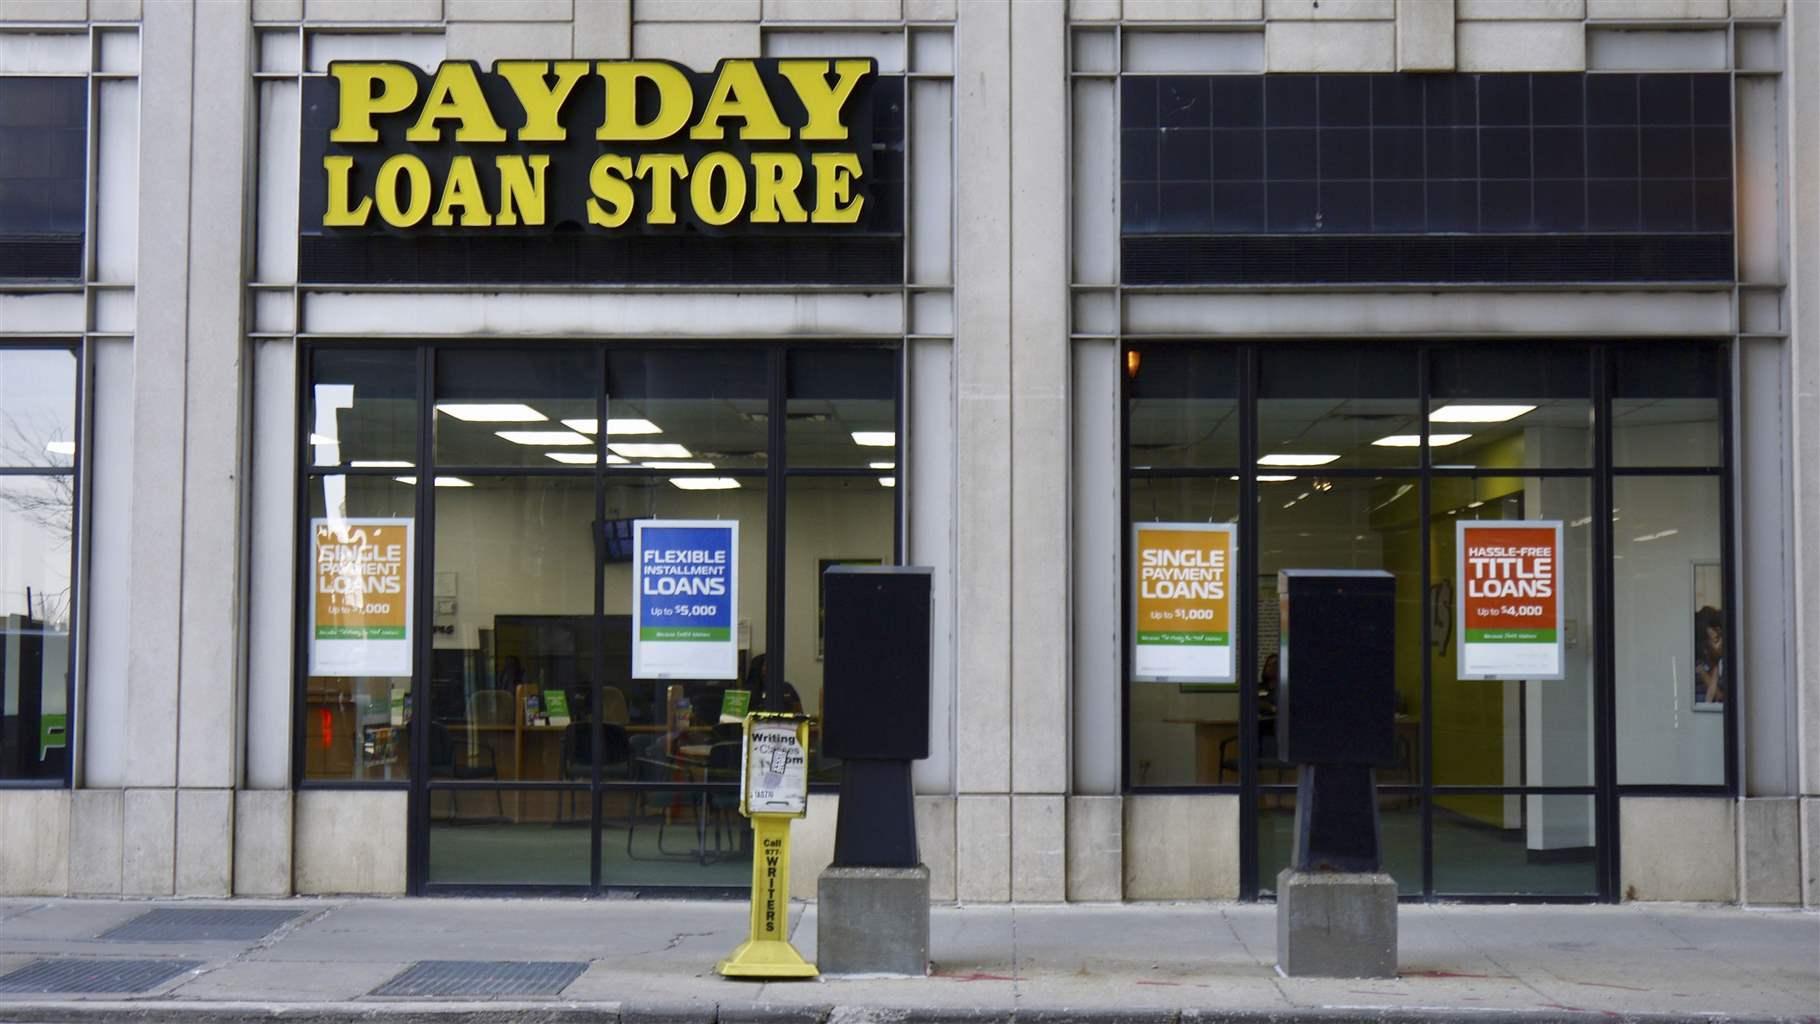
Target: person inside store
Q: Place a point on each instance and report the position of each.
(1709, 656)
(756, 682)
(1267, 708)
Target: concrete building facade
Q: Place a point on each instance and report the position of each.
(1018, 327)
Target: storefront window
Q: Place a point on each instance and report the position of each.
(1511, 406)
(1336, 407)
(37, 515)
(1495, 531)
(1674, 676)
(509, 695)
(357, 704)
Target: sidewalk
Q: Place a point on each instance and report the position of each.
(652, 961)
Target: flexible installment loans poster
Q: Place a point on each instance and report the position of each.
(1510, 610)
(685, 584)
(360, 617)
(1182, 628)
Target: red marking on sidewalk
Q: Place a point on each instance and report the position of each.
(1446, 974)
(975, 976)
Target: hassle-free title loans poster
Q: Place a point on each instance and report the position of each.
(1182, 631)
(1510, 610)
(685, 583)
(360, 619)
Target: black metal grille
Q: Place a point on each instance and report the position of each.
(681, 259)
(172, 924)
(41, 257)
(1450, 259)
(94, 976)
(482, 978)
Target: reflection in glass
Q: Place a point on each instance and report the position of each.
(1507, 407)
(1183, 408)
(37, 407)
(1511, 732)
(534, 408)
(842, 409)
(1674, 673)
(363, 408)
(36, 513)
(1181, 734)
(1332, 405)
(357, 727)
(832, 521)
(514, 640)
(678, 406)
(1400, 838)
(1539, 844)
(1665, 405)
(474, 840)
(664, 715)
(1316, 523)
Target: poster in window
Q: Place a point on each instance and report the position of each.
(1510, 609)
(1181, 630)
(360, 611)
(685, 599)
(1711, 683)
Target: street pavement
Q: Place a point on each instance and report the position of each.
(652, 962)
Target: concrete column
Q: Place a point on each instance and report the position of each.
(603, 29)
(1802, 87)
(1425, 30)
(983, 455)
(167, 47)
(982, 373)
(1040, 372)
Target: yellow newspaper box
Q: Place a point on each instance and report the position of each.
(773, 788)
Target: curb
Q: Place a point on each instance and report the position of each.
(179, 1012)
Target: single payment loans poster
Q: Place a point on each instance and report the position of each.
(1183, 622)
(685, 583)
(360, 607)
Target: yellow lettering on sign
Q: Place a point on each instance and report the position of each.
(834, 174)
(776, 177)
(339, 169)
(455, 94)
(610, 180)
(701, 189)
(462, 188)
(663, 169)
(386, 191)
(369, 89)
(823, 101)
(675, 99)
(738, 92)
(521, 189)
(541, 100)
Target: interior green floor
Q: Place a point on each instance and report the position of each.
(479, 852)
(1469, 858)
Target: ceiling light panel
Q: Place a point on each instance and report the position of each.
(492, 412)
(649, 450)
(1468, 413)
(1294, 459)
(1415, 440)
(704, 483)
(541, 438)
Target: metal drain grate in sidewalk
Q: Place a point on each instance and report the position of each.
(482, 978)
(195, 924)
(94, 977)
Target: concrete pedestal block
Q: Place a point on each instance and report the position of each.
(872, 921)
(1336, 925)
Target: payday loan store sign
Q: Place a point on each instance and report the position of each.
(1183, 603)
(780, 145)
